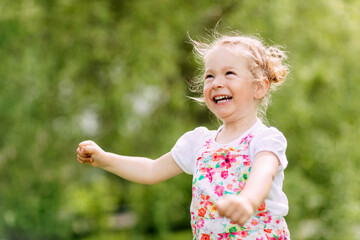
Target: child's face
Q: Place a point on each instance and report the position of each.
(229, 89)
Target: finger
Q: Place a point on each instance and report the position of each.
(242, 220)
(81, 151)
(85, 143)
(78, 150)
(84, 159)
(79, 160)
(229, 211)
(236, 216)
(87, 150)
(90, 162)
(220, 207)
(221, 212)
(82, 154)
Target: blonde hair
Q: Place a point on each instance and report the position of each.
(263, 61)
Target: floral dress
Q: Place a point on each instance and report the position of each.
(221, 170)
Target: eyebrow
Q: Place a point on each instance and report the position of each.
(222, 69)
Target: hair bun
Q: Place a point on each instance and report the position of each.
(276, 69)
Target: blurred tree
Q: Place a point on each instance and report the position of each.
(117, 72)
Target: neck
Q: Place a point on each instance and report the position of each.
(233, 130)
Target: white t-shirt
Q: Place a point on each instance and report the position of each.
(190, 146)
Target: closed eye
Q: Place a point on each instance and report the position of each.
(209, 76)
(229, 73)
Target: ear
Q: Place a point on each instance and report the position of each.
(261, 88)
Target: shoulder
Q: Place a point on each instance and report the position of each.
(186, 147)
(195, 135)
(199, 130)
(268, 139)
(262, 131)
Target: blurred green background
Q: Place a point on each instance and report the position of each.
(117, 72)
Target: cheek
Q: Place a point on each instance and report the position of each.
(250, 88)
(206, 91)
(207, 96)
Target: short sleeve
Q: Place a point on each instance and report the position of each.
(272, 140)
(185, 150)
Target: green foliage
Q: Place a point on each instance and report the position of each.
(117, 71)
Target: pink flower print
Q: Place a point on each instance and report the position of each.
(277, 222)
(228, 159)
(224, 236)
(219, 190)
(247, 163)
(224, 174)
(240, 188)
(267, 219)
(208, 143)
(242, 185)
(243, 234)
(200, 223)
(229, 186)
(215, 157)
(248, 138)
(209, 173)
(254, 222)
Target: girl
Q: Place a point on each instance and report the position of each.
(238, 170)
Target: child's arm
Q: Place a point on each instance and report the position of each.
(239, 208)
(136, 169)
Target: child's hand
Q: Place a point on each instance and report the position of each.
(89, 152)
(235, 207)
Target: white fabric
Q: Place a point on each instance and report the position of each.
(186, 151)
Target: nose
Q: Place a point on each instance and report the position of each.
(218, 83)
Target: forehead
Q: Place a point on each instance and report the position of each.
(220, 57)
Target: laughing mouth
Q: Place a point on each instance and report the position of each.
(220, 99)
